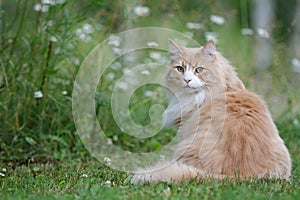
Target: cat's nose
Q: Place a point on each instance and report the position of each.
(187, 80)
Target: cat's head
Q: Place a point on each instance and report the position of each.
(200, 69)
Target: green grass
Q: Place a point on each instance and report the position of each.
(91, 180)
(42, 51)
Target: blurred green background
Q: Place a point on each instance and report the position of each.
(42, 44)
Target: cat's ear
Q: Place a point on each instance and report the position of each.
(210, 49)
(175, 50)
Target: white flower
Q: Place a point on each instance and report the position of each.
(115, 138)
(41, 8)
(76, 61)
(148, 93)
(48, 2)
(78, 32)
(117, 51)
(154, 55)
(52, 2)
(263, 33)
(57, 50)
(126, 70)
(152, 44)
(296, 65)
(107, 182)
(53, 39)
(38, 95)
(82, 37)
(211, 36)
(114, 40)
(84, 175)
(110, 76)
(247, 31)
(109, 142)
(64, 92)
(107, 160)
(217, 19)
(87, 28)
(116, 65)
(4, 170)
(37, 7)
(191, 25)
(142, 11)
(2, 174)
(50, 23)
(145, 72)
(123, 86)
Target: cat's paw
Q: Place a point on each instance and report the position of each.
(140, 178)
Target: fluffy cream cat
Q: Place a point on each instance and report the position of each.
(224, 130)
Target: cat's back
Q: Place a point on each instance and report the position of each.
(246, 138)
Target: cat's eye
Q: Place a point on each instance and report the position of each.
(180, 69)
(199, 69)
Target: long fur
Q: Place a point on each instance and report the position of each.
(224, 130)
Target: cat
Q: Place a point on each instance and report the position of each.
(224, 130)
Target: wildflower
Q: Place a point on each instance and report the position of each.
(296, 65)
(53, 39)
(109, 142)
(145, 72)
(84, 175)
(37, 7)
(76, 61)
(191, 25)
(123, 86)
(217, 19)
(50, 23)
(41, 8)
(108, 182)
(117, 51)
(38, 95)
(263, 33)
(84, 32)
(148, 93)
(211, 36)
(4, 170)
(107, 160)
(57, 50)
(87, 28)
(2, 174)
(247, 31)
(114, 40)
(142, 11)
(152, 44)
(115, 138)
(64, 92)
(110, 76)
(154, 55)
(48, 2)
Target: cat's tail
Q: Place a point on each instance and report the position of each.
(166, 172)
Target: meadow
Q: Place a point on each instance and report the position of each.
(43, 44)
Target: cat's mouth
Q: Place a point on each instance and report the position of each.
(191, 88)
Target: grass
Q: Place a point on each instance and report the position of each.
(92, 180)
(41, 155)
